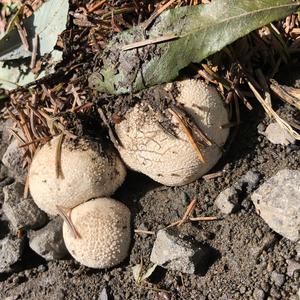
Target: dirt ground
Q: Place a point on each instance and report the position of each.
(243, 250)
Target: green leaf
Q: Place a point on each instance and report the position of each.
(201, 31)
(48, 21)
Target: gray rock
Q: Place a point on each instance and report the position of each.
(228, 200)
(261, 128)
(278, 203)
(278, 278)
(48, 242)
(22, 213)
(277, 135)
(258, 294)
(249, 181)
(174, 252)
(13, 160)
(292, 266)
(4, 134)
(103, 295)
(11, 249)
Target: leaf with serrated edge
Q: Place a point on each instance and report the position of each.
(202, 30)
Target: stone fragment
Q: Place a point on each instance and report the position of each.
(228, 200)
(258, 294)
(21, 212)
(5, 134)
(278, 278)
(176, 252)
(249, 181)
(13, 160)
(277, 135)
(11, 249)
(48, 241)
(292, 266)
(278, 203)
(103, 295)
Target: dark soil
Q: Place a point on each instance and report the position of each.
(243, 249)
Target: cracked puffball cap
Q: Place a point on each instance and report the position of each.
(172, 159)
(86, 171)
(103, 228)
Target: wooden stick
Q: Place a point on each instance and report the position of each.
(157, 13)
(213, 175)
(65, 213)
(188, 212)
(189, 136)
(35, 46)
(144, 231)
(58, 169)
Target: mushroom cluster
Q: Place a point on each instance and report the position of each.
(168, 158)
(74, 178)
(69, 178)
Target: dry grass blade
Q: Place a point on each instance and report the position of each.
(196, 131)
(140, 231)
(213, 175)
(58, 169)
(95, 6)
(218, 78)
(241, 96)
(147, 42)
(186, 130)
(23, 35)
(111, 134)
(270, 111)
(157, 13)
(286, 93)
(34, 51)
(66, 216)
(197, 219)
(43, 139)
(188, 212)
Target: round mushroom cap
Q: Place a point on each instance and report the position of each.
(150, 149)
(87, 171)
(103, 226)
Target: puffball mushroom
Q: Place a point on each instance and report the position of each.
(87, 171)
(173, 161)
(103, 228)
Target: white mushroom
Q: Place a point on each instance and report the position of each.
(102, 235)
(149, 149)
(87, 171)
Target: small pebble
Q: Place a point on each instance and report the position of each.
(258, 294)
(278, 278)
(292, 267)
